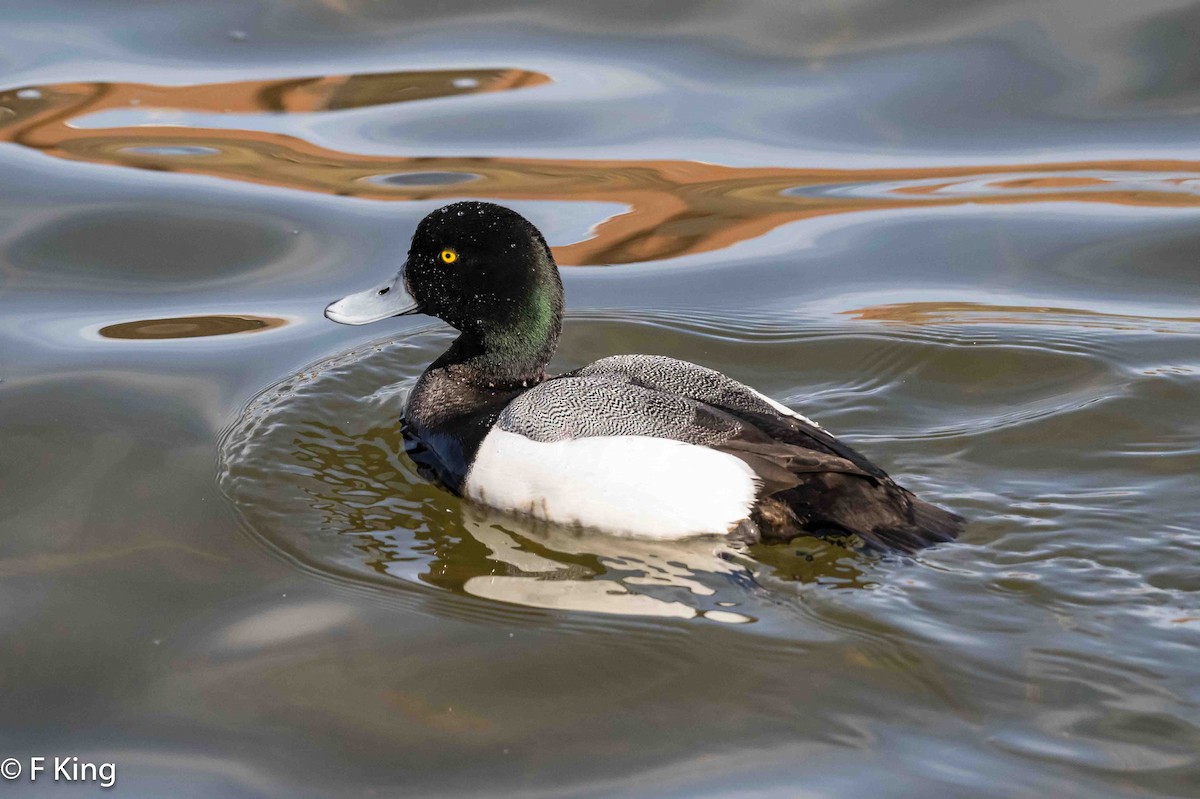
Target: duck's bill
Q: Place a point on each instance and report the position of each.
(381, 302)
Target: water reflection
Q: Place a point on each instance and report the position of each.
(176, 151)
(190, 327)
(675, 208)
(963, 313)
(141, 247)
(422, 179)
(1049, 653)
(376, 514)
(317, 467)
(39, 110)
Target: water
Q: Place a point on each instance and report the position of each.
(962, 236)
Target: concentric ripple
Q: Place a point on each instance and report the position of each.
(316, 464)
(316, 467)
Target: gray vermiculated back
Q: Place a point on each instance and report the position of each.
(576, 406)
(684, 378)
(647, 395)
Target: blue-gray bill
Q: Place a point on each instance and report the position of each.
(380, 302)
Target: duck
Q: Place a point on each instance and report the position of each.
(644, 446)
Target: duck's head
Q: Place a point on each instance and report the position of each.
(482, 268)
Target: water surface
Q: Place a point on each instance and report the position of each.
(961, 236)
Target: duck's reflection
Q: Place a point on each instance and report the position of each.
(370, 496)
(627, 577)
(317, 466)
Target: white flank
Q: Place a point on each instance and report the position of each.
(785, 410)
(624, 485)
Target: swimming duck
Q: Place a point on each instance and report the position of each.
(637, 445)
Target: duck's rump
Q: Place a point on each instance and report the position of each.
(808, 491)
(801, 478)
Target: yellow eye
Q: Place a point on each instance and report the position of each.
(449, 256)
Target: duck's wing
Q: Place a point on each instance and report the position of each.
(720, 391)
(807, 478)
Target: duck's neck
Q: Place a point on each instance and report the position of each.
(508, 353)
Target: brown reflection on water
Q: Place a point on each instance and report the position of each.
(959, 313)
(676, 208)
(37, 111)
(190, 327)
(1050, 183)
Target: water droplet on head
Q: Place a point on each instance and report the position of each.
(460, 213)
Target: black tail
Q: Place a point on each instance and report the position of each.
(812, 483)
(924, 525)
(885, 516)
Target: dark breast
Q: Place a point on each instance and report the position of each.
(446, 420)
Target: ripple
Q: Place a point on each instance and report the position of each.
(975, 313)
(675, 207)
(316, 466)
(422, 178)
(1007, 323)
(141, 247)
(1131, 187)
(189, 327)
(173, 151)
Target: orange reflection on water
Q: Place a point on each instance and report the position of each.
(1051, 183)
(190, 327)
(959, 313)
(675, 208)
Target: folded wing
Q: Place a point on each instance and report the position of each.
(807, 480)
